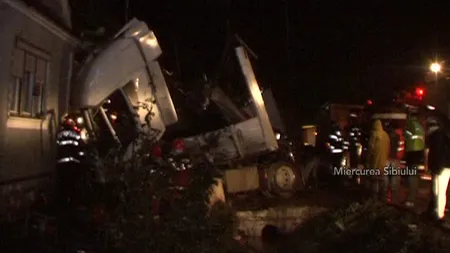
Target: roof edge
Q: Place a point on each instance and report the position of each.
(36, 16)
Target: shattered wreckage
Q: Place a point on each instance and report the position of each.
(122, 98)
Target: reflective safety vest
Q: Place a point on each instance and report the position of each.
(414, 136)
(69, 146)
(355, 140)
(355, 136)
(401, 144)
(337, 144)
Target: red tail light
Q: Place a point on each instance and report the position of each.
(157, 151)
(419, 92)
(178, 145)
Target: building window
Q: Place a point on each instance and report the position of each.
(27, 91)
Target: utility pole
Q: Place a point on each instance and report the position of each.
(127, 6)
(286, 24)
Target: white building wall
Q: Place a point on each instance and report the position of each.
(27, 145)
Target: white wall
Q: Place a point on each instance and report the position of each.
(27, 145)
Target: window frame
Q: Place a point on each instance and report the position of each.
(16, 93)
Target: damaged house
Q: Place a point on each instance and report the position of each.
(35, 70)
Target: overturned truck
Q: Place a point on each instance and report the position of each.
(253, 152)
(123, 99)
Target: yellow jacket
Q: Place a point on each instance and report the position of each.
(379, 145)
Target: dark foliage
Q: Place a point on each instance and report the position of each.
(185, 224)
(368, 227)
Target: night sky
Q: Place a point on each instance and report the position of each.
(309, 52)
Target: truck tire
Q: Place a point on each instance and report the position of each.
(281, 177)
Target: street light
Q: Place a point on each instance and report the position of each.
(435, 67)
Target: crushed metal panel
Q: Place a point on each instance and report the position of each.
(234, 142)
(226, 105)
(273, 111)
(163, 97)
(221, 144)
(258, 102)
(251, 137)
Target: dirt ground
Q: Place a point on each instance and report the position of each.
(328, 197)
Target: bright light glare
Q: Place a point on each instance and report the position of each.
(80, 120)
(150, 39)
(83, 135)
(435, 67)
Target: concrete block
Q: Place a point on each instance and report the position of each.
(251, 223)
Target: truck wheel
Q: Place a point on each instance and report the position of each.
(281, 179)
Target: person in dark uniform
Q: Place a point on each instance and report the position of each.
(69, 167)
(414, 154)
(354, 138)
(390, 182)
(336, 145)
(438, 144)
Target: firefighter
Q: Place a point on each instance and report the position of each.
(414, 154)
(71, 169)
(355, 136)
(336, 145)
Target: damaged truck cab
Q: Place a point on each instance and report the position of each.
(123, 98)
(122, 90)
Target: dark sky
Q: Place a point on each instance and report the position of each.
(337, 49)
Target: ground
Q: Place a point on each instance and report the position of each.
(333, 200)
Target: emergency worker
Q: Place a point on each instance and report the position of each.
(70, 155)
(414, 154)
(378, 154)
(336, 145)
(390, 182)
(438, 144)
(355, 139)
